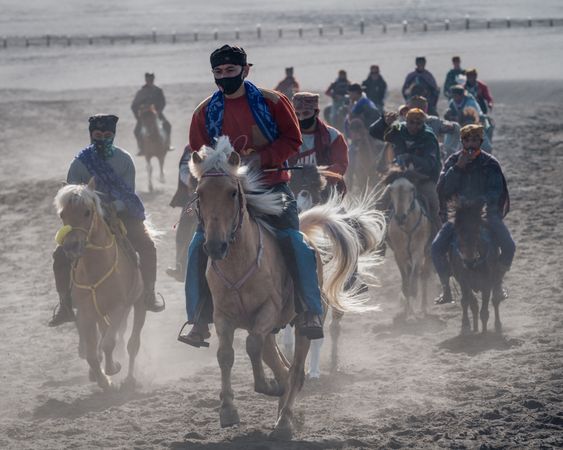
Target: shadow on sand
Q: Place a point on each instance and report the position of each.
(96, 402)
(475, 343)
(258, 440)
(430, 324)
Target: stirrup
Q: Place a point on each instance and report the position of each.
(56, 321)
(185, 338)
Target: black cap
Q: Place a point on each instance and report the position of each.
(103, 122)
(355, 87)
(228, 55)
(149, 75)
(420, 59)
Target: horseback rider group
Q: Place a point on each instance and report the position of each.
(267, 130)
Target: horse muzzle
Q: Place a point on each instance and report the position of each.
(401, 218)
(216, 249)
(73, 249)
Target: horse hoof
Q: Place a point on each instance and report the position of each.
(91, 376)
(113, 370)
(282, 433)
(465, 331)
(228, 417)
(498, 328)
(129, 384)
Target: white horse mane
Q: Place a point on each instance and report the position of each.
(77, 194)
(260, 200)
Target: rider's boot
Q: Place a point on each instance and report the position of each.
(499, 292)
(151, 301)
(64, 312)
(178, 272)
(446, 296)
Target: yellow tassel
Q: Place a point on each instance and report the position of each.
(61, 234)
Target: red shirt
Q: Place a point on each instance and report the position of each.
(244, 133)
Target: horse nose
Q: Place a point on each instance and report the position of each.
(72, 248)
(216, 249)
(401, 218)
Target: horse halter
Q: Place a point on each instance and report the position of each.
(237, 224)
(66, 229)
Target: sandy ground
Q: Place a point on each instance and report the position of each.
(419, 386)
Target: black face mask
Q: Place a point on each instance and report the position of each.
(305, 124)
(229, 85)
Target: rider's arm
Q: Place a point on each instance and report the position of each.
(487, 95)
(406, 85)
(338, 155)
(160, 101)
(198, 136)
(329, 90)
(494, 189)
(289, 140)
(450, 178)
(77, 173)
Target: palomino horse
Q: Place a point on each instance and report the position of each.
(106, 283)
(310, 187)
(409, 234)
(250, 284)
(367, 161)
(474, 260)
(153, 140)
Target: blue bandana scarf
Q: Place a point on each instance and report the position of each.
(108, 182)
(258, 106)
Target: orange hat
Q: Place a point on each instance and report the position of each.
(305, 101)
(473, 129)
(416, 113)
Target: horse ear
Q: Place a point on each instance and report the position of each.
(234, 159)
(196, 159)
(92, 184)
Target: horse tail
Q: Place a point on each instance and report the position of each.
(343, 240)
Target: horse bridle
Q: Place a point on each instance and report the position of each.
(237, 222)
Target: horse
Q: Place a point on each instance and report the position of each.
(153, 140)
(474, 261)
(367, 158)
(310, 187)
(409, 235)
(106, 282)
(250, 284)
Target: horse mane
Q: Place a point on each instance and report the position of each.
(396, 173)
(260, 200)
(77, 194)
(468, 216)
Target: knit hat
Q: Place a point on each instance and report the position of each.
(472, 130)
(103, 122)
(305, 101)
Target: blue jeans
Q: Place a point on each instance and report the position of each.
(443, 241)
(300, 260)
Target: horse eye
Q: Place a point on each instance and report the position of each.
(87, 213)
(234, 194)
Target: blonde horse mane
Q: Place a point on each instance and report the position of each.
(261, 201)
(77, 194)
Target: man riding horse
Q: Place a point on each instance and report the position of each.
(421, 82)
(474, 176)
(262, 127)
(322, 145)
(114, 174)
(414, 144)
(148, 95)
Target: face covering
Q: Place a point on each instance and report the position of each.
(305, 124)
(104, 147)
(229, 85)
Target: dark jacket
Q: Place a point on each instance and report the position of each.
(375, 90)
(422, 149)
(146, 96)
(481, 180)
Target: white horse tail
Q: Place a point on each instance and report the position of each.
(340, 248)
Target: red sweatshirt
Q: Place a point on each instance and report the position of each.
(244, 133)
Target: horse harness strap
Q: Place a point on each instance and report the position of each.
(238, 285)
(92, 287)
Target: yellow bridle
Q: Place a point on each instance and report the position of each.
(60, 237)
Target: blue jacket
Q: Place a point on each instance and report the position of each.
(481, 180)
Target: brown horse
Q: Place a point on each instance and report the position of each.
(153, 141)
(409, 234)
(250, 284)
(106, 283)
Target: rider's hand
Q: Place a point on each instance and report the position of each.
(390, 117)
(464, 159)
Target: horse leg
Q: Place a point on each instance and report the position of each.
(149, 173)
(496, 304)
(275, 360)
(284, 425)
(109, 339)
(315, 359)
(228, 414)
(161, 165)
(255, 350)
(465, 298)
(335, 329)
(89, 334)
(134, 343)
(485, 309)
(474, 304)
